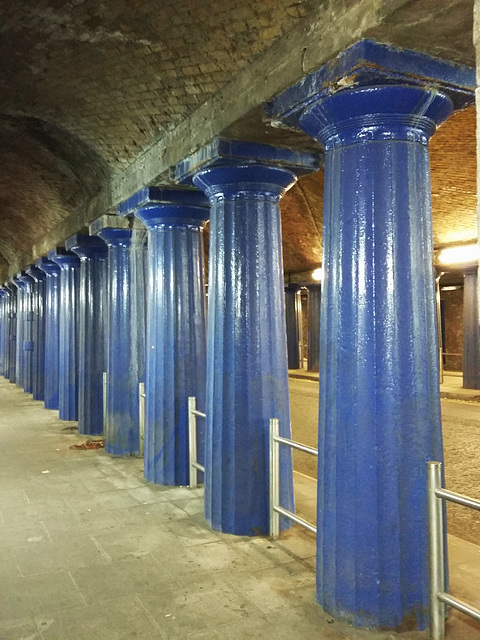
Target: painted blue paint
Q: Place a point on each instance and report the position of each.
(69, 265)
(38, 331)
(52, 332)
(176, 327)
(92, 319)
(471, 331)
(313, 330)
(28, 317)
(379, 413)
(126, 334)
(3, 323)
(293, 353)
(224, 151)
(247, 375)
(11, 332)
(21, 286)
(366, 63)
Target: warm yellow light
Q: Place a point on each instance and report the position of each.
(318, 274)
(459, 255)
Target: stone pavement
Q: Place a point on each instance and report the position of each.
(90, 551)
(451, 387)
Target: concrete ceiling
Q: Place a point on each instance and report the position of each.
(100, 98)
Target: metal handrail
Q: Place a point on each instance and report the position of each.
(141, 417)
(275, 509)
(438, 596)
(194, 465)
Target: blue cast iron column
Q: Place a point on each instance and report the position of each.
(471, 331)
(38, 331)
(176, 329)
(291, 319)
(247, 375)
(52, 331)
(125, 330)
(379, 415)
(3, 324)
(69, 265)
(28, 344)
(11, 332)
(21, 286)
(314, 298)
(91, 330)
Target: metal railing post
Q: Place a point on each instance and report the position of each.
(104, 399)
(141, 417)
(274, 478)
(436, 551)
(192, 442)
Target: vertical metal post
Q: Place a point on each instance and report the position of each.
(141, 417)
(298, 313)
(436, 551)
(104, 400)
(274, 478)
(192, 442)
(439, 324)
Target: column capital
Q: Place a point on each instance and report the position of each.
(235, 154)
(156, 206)
(369, 63)
(380, 112)
(21, 280)
(85, 246)
(118, 231)
(36, 273)
(49, 267)
(63, 258)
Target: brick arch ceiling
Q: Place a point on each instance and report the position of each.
(86, 86)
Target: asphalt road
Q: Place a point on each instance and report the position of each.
(461, 434)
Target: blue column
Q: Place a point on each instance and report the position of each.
(91, 320)
(247, 375)
(69, 265)
(3, 324)
(21, 286)
(176, 328)
(11, 333)
(291, 318)
(38, 331)
(471, 331)
(52, 332)
(28, 318)
(126, 330)
(314, 297)
(379, 415)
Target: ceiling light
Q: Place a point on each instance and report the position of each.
(318, 274)
(465, 254)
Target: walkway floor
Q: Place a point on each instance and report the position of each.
(451, 387)
(90, 551)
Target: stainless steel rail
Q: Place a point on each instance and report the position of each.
(438, 596)
(275, 509)
(195, 466)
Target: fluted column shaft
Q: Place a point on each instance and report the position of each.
(176, 330)
(379, 412)
(471, 331)
(52, 332)
(291, 319)
(126, 337)
(68, 362)
(314, 298)
(247, 375)
(38, 331)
